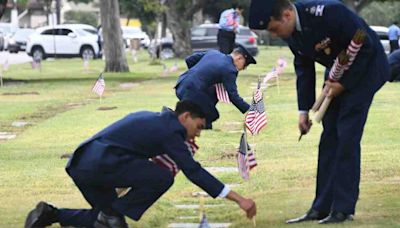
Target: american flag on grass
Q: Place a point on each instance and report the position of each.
(165, 161)
(245, 158)
(99, 86)
(222, 94)
(204, 222)
(6, 65)
(270, 75)
(256, 117)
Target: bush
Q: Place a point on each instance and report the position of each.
(81, 17)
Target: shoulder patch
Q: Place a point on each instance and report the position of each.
(319, 10)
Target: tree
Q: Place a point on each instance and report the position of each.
(112, 38)
(145, 10)
(112, 35)
(358, 5)
(179, 16)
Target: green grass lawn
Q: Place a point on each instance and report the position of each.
(63, 112)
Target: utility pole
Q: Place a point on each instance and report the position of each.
(58, 11)
(14, 15)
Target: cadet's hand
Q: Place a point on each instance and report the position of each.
(335, 88)
(304, 123)
(249, 206)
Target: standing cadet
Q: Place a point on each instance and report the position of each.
(118, 157)
(394, 34)
(209, 68)
(394, 62)
(228, 27)
(317, 31)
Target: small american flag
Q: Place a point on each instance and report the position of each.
(165, 161)
(222, 94)
(245, 158)
(270, 75)
(256, 117)
(99, 86)
(281, 62)
(204, 222)
(6, 65)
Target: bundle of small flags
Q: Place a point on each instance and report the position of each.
(245, 158)
(256, 117)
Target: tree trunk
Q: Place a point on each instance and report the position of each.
(180, 23)
(356, 5)
(180, 29)
(113, 46)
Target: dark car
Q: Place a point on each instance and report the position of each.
(1, 40)
(204, 37)
(18, 41)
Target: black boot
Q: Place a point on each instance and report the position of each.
(336, 217)
(107, 221)
(43, 215)
(309, 216)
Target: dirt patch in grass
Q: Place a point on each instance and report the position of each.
(21, 93)
(107, 108)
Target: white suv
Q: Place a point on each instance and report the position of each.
(62, 41)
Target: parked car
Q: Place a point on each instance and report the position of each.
(383, 36)
(8, 31)
(1, 40)
(62, 41)
(129, 33)
(18, 41)
(204, 37)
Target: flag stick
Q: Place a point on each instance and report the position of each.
(277, 83)
(201, 209)
(1, 78)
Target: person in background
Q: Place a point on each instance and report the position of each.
(228, 27)
(394, 34)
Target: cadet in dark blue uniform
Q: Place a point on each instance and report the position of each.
(317, 31)
(205, 69)
(394, 62)
(118, 157)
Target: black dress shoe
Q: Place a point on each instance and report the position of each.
(309, 216)
(108, 221)
(336, 217)
(43, 215)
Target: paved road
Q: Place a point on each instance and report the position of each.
(20, 57)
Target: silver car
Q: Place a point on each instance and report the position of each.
(204, 37)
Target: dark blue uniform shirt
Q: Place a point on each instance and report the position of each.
(209, 68)
(143, 135)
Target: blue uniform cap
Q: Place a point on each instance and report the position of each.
(260, 13)
(199, 99)
(249, 58)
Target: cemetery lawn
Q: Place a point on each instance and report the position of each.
(61, 112)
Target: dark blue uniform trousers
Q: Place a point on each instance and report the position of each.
(147, 180)
(338, 174)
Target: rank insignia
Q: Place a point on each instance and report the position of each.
(324, 45)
